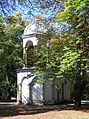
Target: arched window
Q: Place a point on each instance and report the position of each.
(30, 53)
(30, 56)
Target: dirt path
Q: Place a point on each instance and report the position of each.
(9, 110)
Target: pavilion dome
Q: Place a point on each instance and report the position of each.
(30, 29)
(34, 28)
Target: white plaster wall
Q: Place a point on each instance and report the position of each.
(32, 39)
(55, 91)
(21, 74)
(48, 92)
(37, 89)
(37, 92)
(25, 91)
(24, 81)
(67, 91)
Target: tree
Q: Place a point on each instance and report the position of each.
(11, 49)
(7, 6)
(49, 57)
(67, 58)
(42, 12)
(74, 19)
(31, 6)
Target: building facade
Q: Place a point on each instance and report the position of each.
(28, 90)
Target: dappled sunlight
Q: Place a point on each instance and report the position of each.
(65, 111)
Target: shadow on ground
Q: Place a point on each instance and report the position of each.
(11, 109)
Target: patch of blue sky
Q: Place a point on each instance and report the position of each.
(29, 10)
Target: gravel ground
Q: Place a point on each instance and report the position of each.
(9, 110)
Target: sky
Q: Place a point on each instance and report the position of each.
(6, 9)
(27, 8)
(29, 13)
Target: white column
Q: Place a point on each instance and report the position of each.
(19, 93)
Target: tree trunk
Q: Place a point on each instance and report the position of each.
(78, 92)
(8, 87)
(62, 92)
(78, 81)
(44, 102)
(30, 94)
(83, 80)
(53, 100)
(58, 97)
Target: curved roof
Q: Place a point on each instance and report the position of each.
(34, 28)
(30, 29)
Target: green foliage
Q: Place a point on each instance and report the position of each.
(85, 95)
(13, 90)
(42, 56)
(30, 53)
(11, 47)
(69, 59)
(74, 21)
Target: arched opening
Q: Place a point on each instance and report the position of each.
(30, 53)
(40, 43)
(26, 88)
